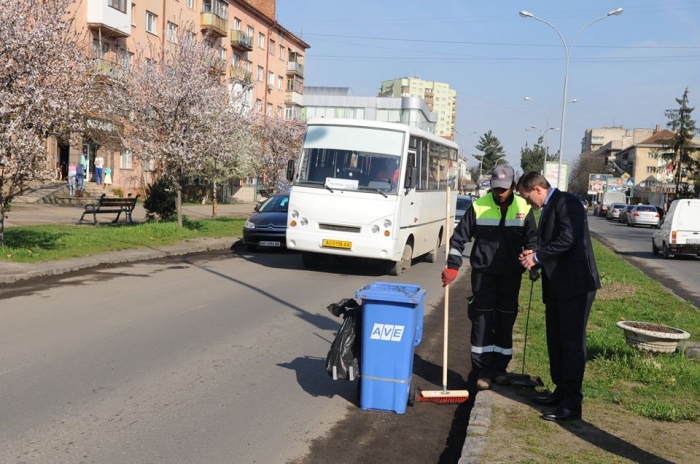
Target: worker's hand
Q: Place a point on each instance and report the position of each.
(448, 275)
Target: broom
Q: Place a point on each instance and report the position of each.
(445, 396)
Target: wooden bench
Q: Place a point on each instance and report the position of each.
(111, 205)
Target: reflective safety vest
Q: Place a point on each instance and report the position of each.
(500, 240)
(488, 212)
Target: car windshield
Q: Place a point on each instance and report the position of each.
(275, 204)
(463, 204)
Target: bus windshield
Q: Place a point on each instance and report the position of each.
(352, 158)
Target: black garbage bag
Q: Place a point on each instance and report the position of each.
(345, 349)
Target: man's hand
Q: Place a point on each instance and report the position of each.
(527, 259)
(448, 275)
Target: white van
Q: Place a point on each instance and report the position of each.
(679, 230)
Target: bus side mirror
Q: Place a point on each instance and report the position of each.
(290, 170)
(411, 177)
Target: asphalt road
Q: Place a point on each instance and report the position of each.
(210, 358)
(681, 274)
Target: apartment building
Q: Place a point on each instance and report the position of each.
(339, 102)
(264, 60)
(439, 97)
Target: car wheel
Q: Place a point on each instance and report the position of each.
(431, 257)
(654, 250)
(310, 260)
(667, 252)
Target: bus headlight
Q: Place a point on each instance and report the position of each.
(294, 214)
(387, 223)
(375, 229)
(303, 221)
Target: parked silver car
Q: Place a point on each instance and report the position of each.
(614, 210)
(644, 215)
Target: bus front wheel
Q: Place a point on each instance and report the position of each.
(395, 267)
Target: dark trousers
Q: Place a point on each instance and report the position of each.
(492, 311)
(566, 343)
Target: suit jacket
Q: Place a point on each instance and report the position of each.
(565, 252)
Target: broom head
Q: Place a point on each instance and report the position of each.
(443, 397)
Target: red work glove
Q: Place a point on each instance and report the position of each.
(448, 275)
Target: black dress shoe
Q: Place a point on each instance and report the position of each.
(548, 400)
(562, 414)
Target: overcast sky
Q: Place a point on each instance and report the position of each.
(625, 70)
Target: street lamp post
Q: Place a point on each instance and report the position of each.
(567, 49)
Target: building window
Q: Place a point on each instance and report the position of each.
(133, 14)
(281, 52)
(125, 160)
(218, 7)
(151, 21)
(117, 5)
(278, 112)
(251, 32)
(272, 47)
(271, 79)
(261, 40)
(236, 60)
(222, 53)
(258, 106)
(261, 75)
(280, 82)
(190, 4)
(268, 109)
(149, 165)
(236, 24)
(171, 32)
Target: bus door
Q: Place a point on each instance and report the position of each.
(408, 198)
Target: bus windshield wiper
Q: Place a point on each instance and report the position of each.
(374, 190)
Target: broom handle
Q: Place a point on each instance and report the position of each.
(447, 293)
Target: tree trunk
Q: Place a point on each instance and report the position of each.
(213, 201)
(178, 205)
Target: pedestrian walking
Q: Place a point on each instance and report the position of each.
(72, 171)
(569, 283)
(99, 165)
(503, 225)
(80, 178)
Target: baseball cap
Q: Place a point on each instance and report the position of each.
(503, 176)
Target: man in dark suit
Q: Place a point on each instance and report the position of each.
(569, 283)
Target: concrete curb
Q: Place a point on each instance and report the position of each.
(13, 272)
(479, 424)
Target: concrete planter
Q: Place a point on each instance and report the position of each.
(653, 338)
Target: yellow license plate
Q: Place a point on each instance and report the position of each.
(337, 244)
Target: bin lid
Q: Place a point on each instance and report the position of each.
(390, 291)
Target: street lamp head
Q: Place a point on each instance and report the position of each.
(526, 14)
(615, 12)
(527, 98)
(573, 100)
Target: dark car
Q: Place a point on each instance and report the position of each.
(625, 214)
(463, 204)
(267, 228)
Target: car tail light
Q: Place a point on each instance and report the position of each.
(673, 236)
(657, 215)
(636, 214)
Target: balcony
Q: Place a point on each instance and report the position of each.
(109, 70)
(295, 68)
(241, 75)
(241, 41)
(214, 24)
(293, 98)
(109, 21)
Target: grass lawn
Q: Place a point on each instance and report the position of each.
(33, 244)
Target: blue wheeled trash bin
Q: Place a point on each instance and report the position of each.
(392, 325)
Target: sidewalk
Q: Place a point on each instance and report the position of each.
(40, 214)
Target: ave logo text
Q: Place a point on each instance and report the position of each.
(388, 332)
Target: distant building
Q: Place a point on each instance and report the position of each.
(339, 102)
(439, 97)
